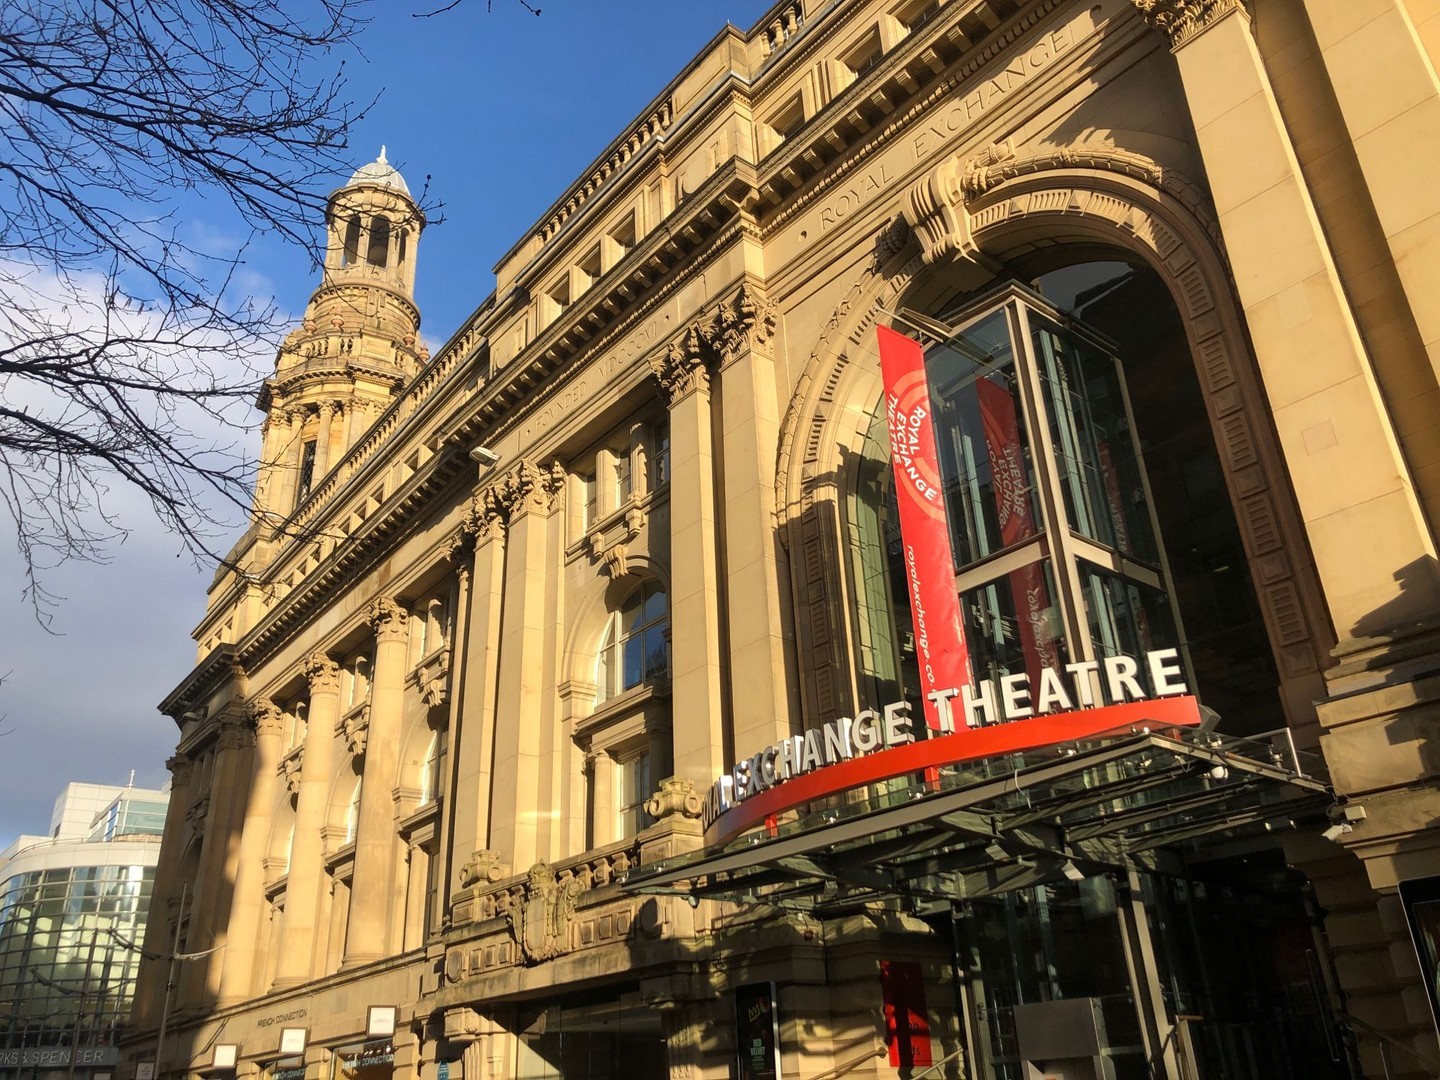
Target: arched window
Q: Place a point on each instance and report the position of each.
(379, 251)
(430, 772)
(636, 646)
(352, 814)
(352, 241)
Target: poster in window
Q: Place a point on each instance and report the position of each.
(757, 1032)
(1421, 898)
(907, 1024)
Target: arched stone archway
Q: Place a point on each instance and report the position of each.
(969, 219)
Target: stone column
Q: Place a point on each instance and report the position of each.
(524, 497)
(694, 574)
(375, 838)
(1391, 108)
(159, 940)
(289, 464)
(461, 554)
(209, 903)
(759, 699)
(472, 739)
(322, 441)
(307, 853)
(266, 470)
(247, 907)
(1354, 491)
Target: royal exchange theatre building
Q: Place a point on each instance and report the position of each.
(518, 629)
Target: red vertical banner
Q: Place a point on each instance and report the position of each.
(1016, 516)
(924, 533)
(907, 1022)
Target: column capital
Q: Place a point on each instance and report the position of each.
(525, 488)
(235, 734)
(266, 717)
(181, 770)
(682, 366)
(744, 323)
(322, 673)
(389, 618)
(1181, 20)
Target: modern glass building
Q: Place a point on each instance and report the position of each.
(72, 912)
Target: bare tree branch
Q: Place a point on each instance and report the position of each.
(127, 348)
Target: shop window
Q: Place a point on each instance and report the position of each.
(368, 1061)
(614, 1037)
(636, 646)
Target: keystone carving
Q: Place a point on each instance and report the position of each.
(935, 211)
(1180, 20)
(677, 795)
(322, 673)
(266, 717)
(484, 868)
(541, 920)
(390, 620)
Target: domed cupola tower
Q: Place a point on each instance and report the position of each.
(357, 345)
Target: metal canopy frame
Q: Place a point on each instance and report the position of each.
(1143, 801)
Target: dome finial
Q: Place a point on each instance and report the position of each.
(381, 158)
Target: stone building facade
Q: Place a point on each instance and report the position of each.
(504, 614)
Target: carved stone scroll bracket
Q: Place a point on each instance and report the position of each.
(434, 679)
(290, 768)
(677, 795)
(612, 546)
(354, 728)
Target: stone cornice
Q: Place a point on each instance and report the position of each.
(220, 664)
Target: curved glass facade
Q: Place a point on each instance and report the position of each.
(60, 965)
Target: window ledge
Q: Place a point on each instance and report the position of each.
(632, 700)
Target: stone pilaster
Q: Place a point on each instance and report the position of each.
(164, 902)
(684, 374)
(525, 498)
(296, 962)
(743, 335)
(322, 439)
(472, 743)
(248, 904)
(375, 839)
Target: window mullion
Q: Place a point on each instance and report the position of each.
(1048, 480)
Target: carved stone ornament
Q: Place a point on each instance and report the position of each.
(181, 770)
(290, 768)
(484, 868)
(197, 810)
(322, 673)
(1180, 20)
(677, 795)
(613, 548)
(434, 678)
(354, 728)
(744, 323)
(235, 735)
(682, 367)
(541, 921)
(390, 620)
(266, 717)
(525, 488)
(935, 211)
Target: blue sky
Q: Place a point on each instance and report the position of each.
(502, 110)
